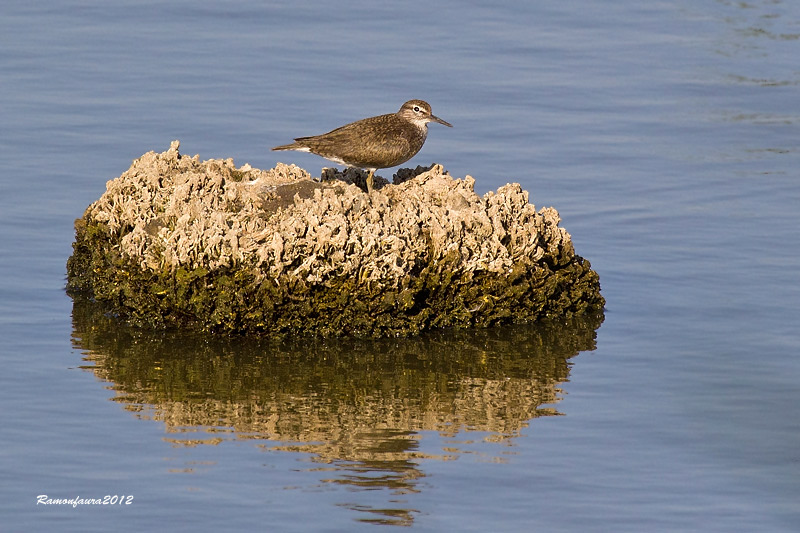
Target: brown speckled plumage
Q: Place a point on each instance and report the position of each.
(376, 142)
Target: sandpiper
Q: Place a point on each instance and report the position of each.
(376, 142)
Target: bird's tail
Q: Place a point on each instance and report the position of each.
(293, 146)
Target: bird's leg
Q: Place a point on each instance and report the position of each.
(369, 181)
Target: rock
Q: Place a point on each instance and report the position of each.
(206, 245)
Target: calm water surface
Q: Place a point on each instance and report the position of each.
(665, 133)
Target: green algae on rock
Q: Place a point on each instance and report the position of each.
(176, 242)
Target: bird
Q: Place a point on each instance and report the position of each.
(375, 142)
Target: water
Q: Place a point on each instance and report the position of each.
(665, 133)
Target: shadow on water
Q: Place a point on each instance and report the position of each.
(358, 407)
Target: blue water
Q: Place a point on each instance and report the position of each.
(666, 135)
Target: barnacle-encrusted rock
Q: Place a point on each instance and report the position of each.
(179, 242)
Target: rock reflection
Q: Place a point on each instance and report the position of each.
(357, 406)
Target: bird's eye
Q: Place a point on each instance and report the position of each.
(416, 109)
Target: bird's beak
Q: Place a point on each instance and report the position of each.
(434, 118)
